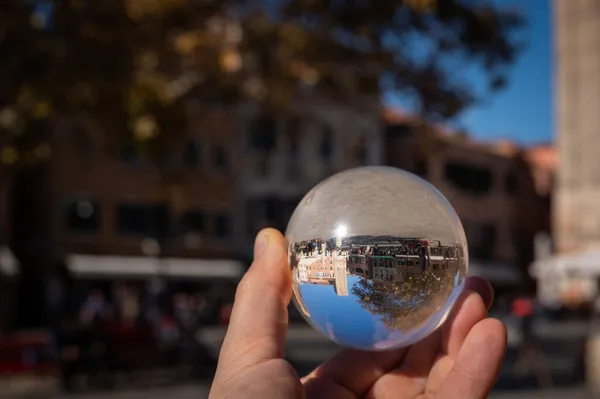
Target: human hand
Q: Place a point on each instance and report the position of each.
(460, 360)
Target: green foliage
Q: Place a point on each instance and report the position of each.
(132, 65)
(404, 305)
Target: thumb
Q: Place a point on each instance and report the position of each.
(259, 318)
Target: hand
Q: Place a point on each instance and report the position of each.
(460, 360)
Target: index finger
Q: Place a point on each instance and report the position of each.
(258, 323)
(478, 363)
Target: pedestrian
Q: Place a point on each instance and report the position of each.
(530, 356)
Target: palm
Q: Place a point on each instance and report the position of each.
(263, 380)
(423, 370)
(459, 360)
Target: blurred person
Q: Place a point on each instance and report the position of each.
(204, 362)
(151, 308)
(530, 356)
(130, 307)
(183, 318)
(198, 303)
(167, 329)
(182, 311)
(168, 334)
(95, 309)
(225, 313)
(460, 360)
(94, 316)
(70, 339)
(118, 294)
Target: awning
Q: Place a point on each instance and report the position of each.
(495, 272)
(93, 266)
(8, 262)
(584, 263)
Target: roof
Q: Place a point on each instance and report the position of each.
(584, 263)
(501, 147)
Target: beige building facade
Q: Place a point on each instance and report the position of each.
(577, 83)
(490, 186)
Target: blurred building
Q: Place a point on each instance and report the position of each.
(104, 216)
(285, 155)
(360, 265)
(340, 284)
(570, 277)
(121, 206)
(327, 270)
(543, 163)
(490, 185)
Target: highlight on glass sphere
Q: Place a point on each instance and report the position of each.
(378, 258)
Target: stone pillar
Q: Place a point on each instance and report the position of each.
(592, 360)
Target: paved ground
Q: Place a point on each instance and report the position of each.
(201, 392)
(306, 348)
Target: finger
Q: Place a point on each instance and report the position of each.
(421, 356)
(482, 287)
(425, 367)
(470, 309)
(258, 324)
(352, 370)
(478, 364)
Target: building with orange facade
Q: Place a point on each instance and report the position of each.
(490, 185)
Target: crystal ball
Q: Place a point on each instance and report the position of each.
(378, 257)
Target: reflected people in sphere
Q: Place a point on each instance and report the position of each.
(374, 291)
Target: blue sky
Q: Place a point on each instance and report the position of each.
(523, 110)
(344, 318)
(342, 314)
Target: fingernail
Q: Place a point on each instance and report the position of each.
(482, 287)
(262, 240)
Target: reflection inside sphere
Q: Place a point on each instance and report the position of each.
(378, 257)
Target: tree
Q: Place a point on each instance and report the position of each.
(131, 64)
(404, 305)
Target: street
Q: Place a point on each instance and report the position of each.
(306, 348)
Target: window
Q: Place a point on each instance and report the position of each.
(400, 131)
(192, 222)
(368, 84)
(361, 151)
(222, 226)
(83, 216)
(143, 220)
(326, 147)
(511, 183)
(220, 158)
(81, 138)
(293, 164)
(482, 239)
(421, 168)
(129, 155)
(472, 179)
(293, 134)
(263, 134)
(191, 155)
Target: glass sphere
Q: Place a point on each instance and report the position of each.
(378, 257)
